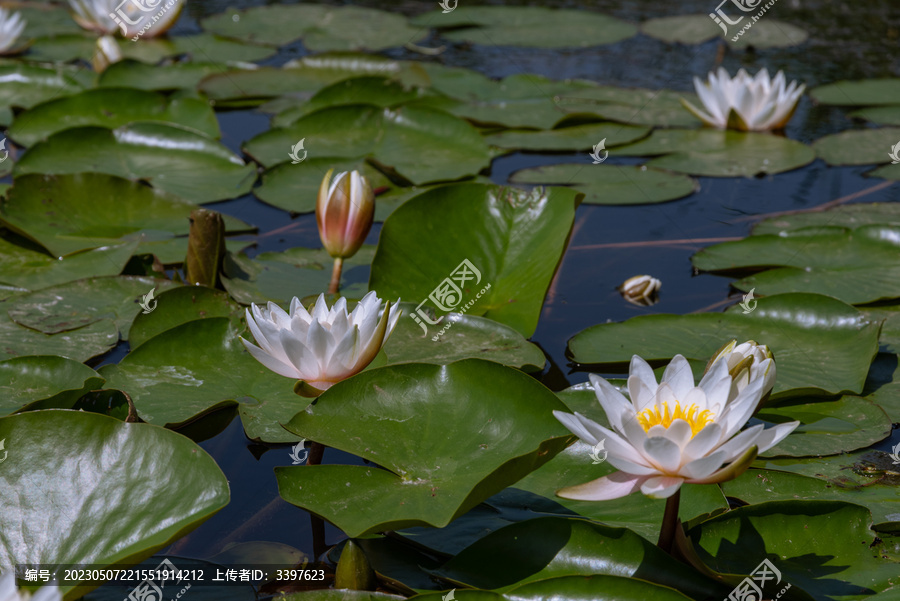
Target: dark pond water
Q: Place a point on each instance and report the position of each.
(848, 40)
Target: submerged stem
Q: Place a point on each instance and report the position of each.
(669, 523)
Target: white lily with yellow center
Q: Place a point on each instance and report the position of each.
(324, 346)
(675, 432)
(746, 103)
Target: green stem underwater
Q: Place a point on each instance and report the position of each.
(670, 523)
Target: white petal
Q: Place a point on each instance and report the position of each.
(663, 453)
(679, 433)
(738, 445)
(703, 467)
(661, 487)
(269, 361)
(613, 402)
(576, 427)
(613, 486)
(679, 377)
(705, 441)
(772, 436)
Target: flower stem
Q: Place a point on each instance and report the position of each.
(316, 451)
(669, 523)
(336, 276)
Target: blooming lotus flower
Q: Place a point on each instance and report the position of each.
(11, 27)
(674, 432)
(128, 17)
(9, 592)
(345, 209)
(325, 346)
(746, 103)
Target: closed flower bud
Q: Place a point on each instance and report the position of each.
(640, 290)
(345, 210)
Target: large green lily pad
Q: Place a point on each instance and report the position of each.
(205, 47)
(71, 213)
(199, 367)
(44, 381)
(634, 106)
(300, 272)
(716, 153)
(179, 306)
(860, 92)
(848, 216)
(421, 143)
(467, 336)
(858, 147)
(115, 513)
(25, 86)
(111, 108)
(882, 115)
(529, 26)
(178, 76)
(612, 184)
(548, 547)
(321, 27)
(696, 29)
(798, 537)
(476, 428)
(578, 137)
(70, 306)
(573, 588)
(81, 344)
(515, 247)
(820, 344)
(27, 266)
(171, 158)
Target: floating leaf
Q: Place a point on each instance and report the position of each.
(116, 515)
(849, 216)
(134, 74)
(493, 430)
(612, 184)
(578, 137)
(820, 343)
(882, 115)
(44, 381)
(635, 106)
(515, 246)
(111, 108)
(860, 92)
(421, 143)
(529, 26)
(696, 29)
(25, 86)
(204, 47)
(858, 147)
(81, 344)
(178, 306)
(173, 159)
(70, 213)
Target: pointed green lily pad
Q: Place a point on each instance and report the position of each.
(27, 266)
(826, 427)
(205, 47)
(547, 547)
(111, 108)
(44, 381)
(44, 19)
(468, 336)
(798, 538)
(280, 276)
(493, 430)
(515, 247)
(849, 216)
(322, 28)
(199, 367)
(887, 172)
(759, 486)
(860, 92)
(696, 29)
(532, 27)
(820, 343)
(858, 147)
(25, 86)
(634, 106)
(81, 344)
(716, 153)
(612, 184)
(83, 46)
(116, 514)
(171, 158)
(572, 588)
(421, 143)
(70, 213)
(578, 137)
(70, 306)
(134, 74)
(882, 115)
(178, 306)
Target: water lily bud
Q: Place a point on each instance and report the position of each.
(106, 52)
(354, 572)
(747, 362)
(345, 210)
(206, 248)
(640, 290)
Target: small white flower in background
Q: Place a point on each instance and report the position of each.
(746, 103)
(323, 347)
(674, 432)
(641, 290)
(895, 154)
(9, 592)
(746, 362)
(595, 154)
(11, 27)
(93, 15)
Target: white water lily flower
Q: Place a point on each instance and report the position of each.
(322, 347)
(746, 362)
(128, 17)
(674, 432)
(11, 27)
(746, 103)
(9, 592)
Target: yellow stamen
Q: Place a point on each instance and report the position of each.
(695, 418)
